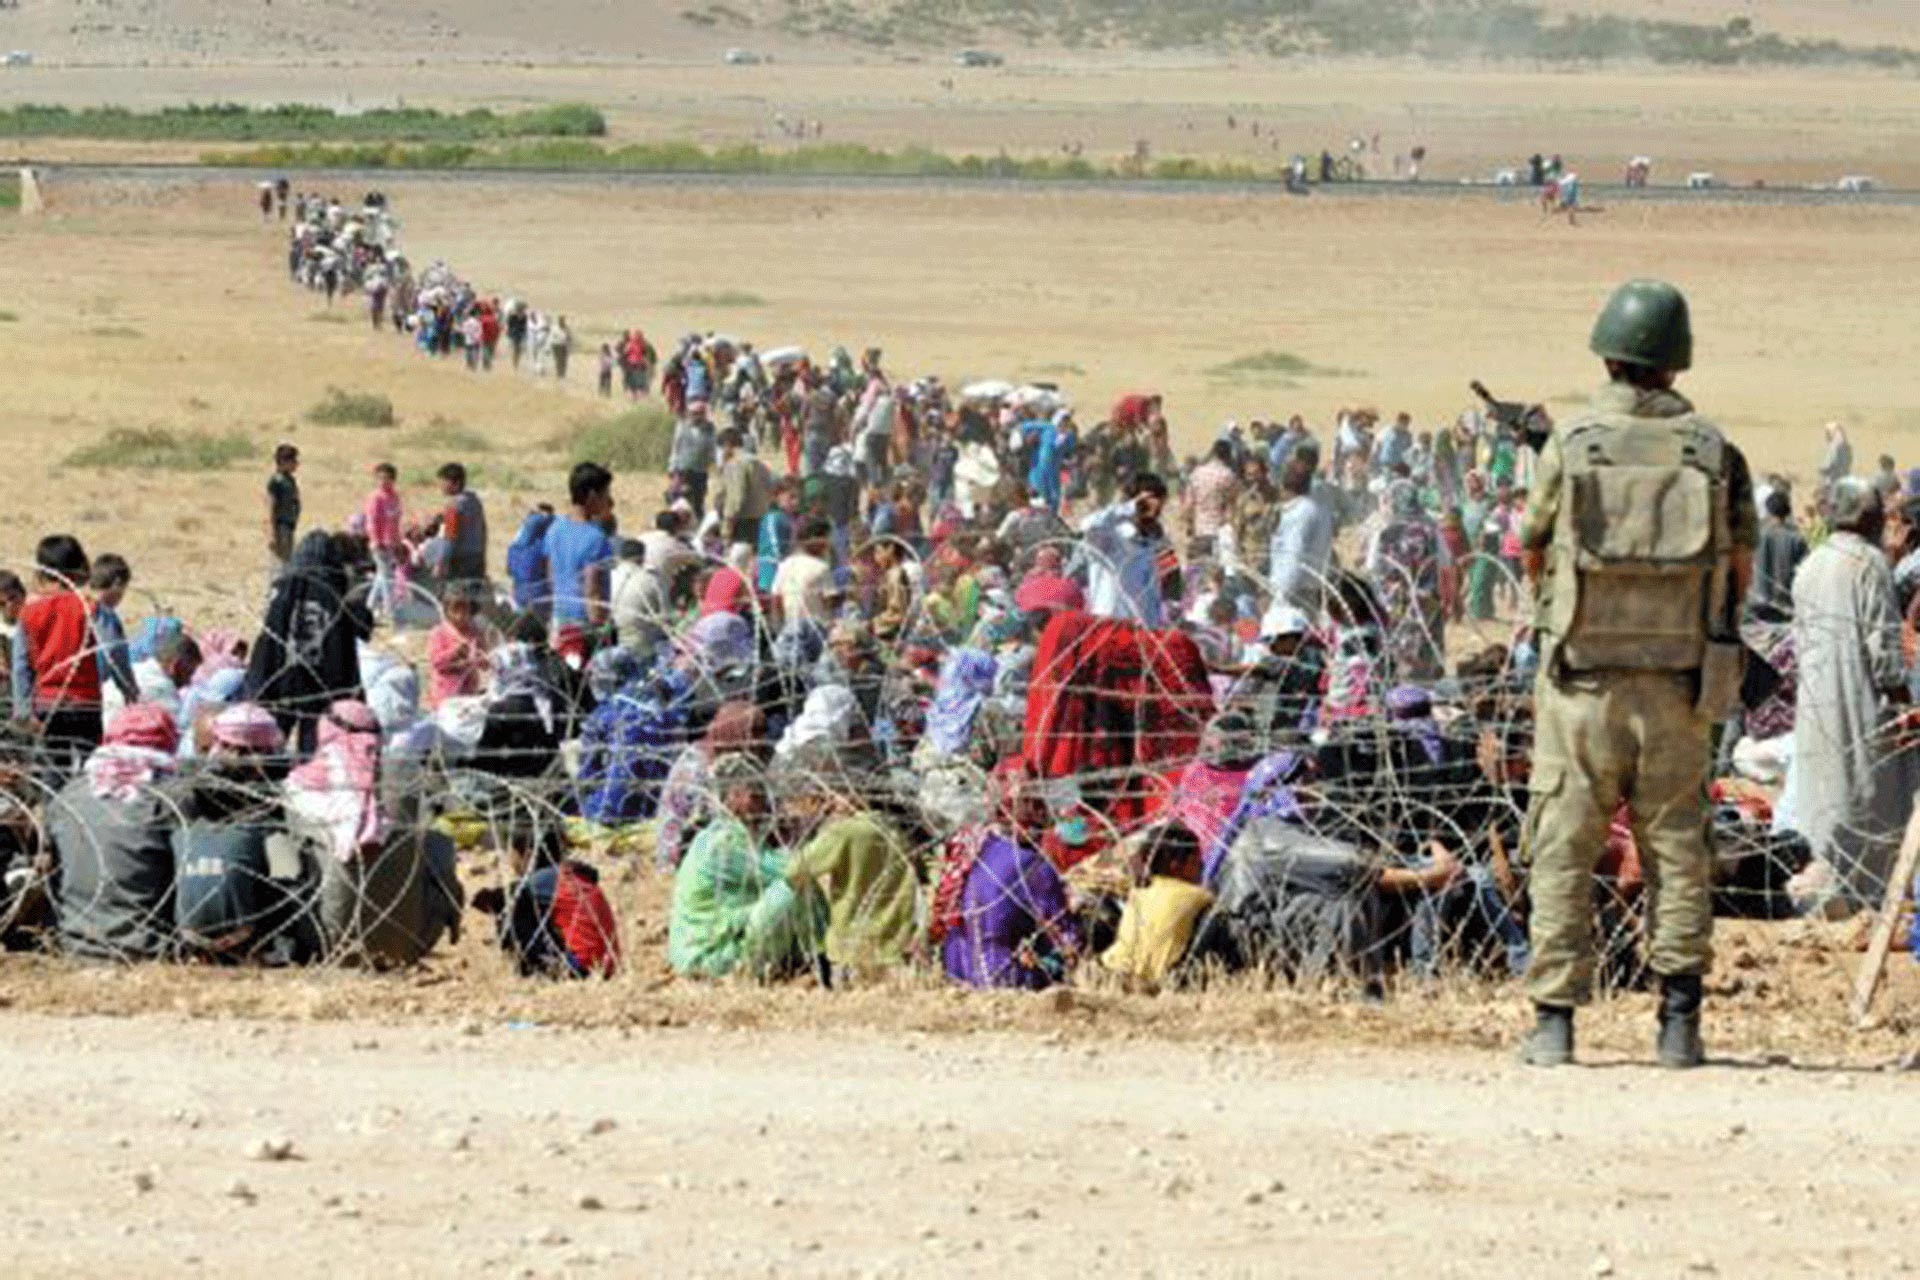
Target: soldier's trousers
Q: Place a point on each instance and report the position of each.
(1599, 738)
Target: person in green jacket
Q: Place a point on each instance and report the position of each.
(732, 906)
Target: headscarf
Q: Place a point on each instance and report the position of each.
(947, 911)
(1403, 500)
(340, 787)
(840, 462)
(221, 649)
(135, 752)
(612, 670)
(718, 642)
(394, 696)
(306, 657)
(516, 673)
(147, 636)
(737, 728)
(826, 719)
(966, 678)
(1268, 793)
(249, 727)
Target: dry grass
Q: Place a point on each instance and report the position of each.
(1779, 993)
(1115, 292)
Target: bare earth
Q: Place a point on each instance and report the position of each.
(441, 1151)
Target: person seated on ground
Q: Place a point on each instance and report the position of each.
(1203, 794)
(732, 905)
(686, 797)
(961, 714)
(1280, 693)
(458, 648)
(554, 919)
(529, 707)
(852, 660)
(1157, 924)
(387, 893)
(230, 904)
(111, 831)
(1000, 913)
(863, 868)
(631, 738)
(161, 677)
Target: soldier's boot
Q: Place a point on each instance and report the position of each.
(1550, 1044)
(1678, 1043)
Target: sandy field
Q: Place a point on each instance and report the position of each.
(515, 1150)
(457, 1120)
(137, 305)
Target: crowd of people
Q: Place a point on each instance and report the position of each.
(902, 674)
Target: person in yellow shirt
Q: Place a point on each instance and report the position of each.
(1158, 921)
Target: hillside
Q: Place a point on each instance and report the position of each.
(1704, 32)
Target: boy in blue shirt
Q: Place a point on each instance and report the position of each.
(579, 550)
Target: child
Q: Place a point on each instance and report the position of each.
(110, 578)
(527, 562)
(13, 598)
(56, 683)
(383, 515)
(458, 649)
(606, 371)
(1166, 904)
(283, 502)
(463, 524)
(555, 920)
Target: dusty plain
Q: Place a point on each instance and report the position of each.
(443, 1119)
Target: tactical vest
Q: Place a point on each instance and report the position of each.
(1642, 542)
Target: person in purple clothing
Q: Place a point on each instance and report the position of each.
(1000, 913)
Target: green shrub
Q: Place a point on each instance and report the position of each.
(115, 331)
(9, 317)
(352, 409)
(156, 448)
(637, 440)
(448, 436)
(231, 122)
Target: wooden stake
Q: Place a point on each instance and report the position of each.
(1880, 940)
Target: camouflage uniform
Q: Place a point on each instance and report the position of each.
(1604, 733)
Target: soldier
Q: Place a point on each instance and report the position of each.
(1638, 539)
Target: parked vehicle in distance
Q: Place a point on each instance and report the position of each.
(978, 58)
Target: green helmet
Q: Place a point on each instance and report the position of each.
(1645, 322)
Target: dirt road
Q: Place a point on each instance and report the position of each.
(131, 1149)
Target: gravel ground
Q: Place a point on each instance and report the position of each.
(158, 1146)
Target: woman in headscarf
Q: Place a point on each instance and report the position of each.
(1404, 564)
(737, 728)
(307, 657)
(1000, 913)
(966, 682)
(730, 588)
(826, 722)
(732, 906)
(111, 832)
(629, 740)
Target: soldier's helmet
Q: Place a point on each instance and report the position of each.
(1645, 322)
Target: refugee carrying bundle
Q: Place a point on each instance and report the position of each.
(1642, 545)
